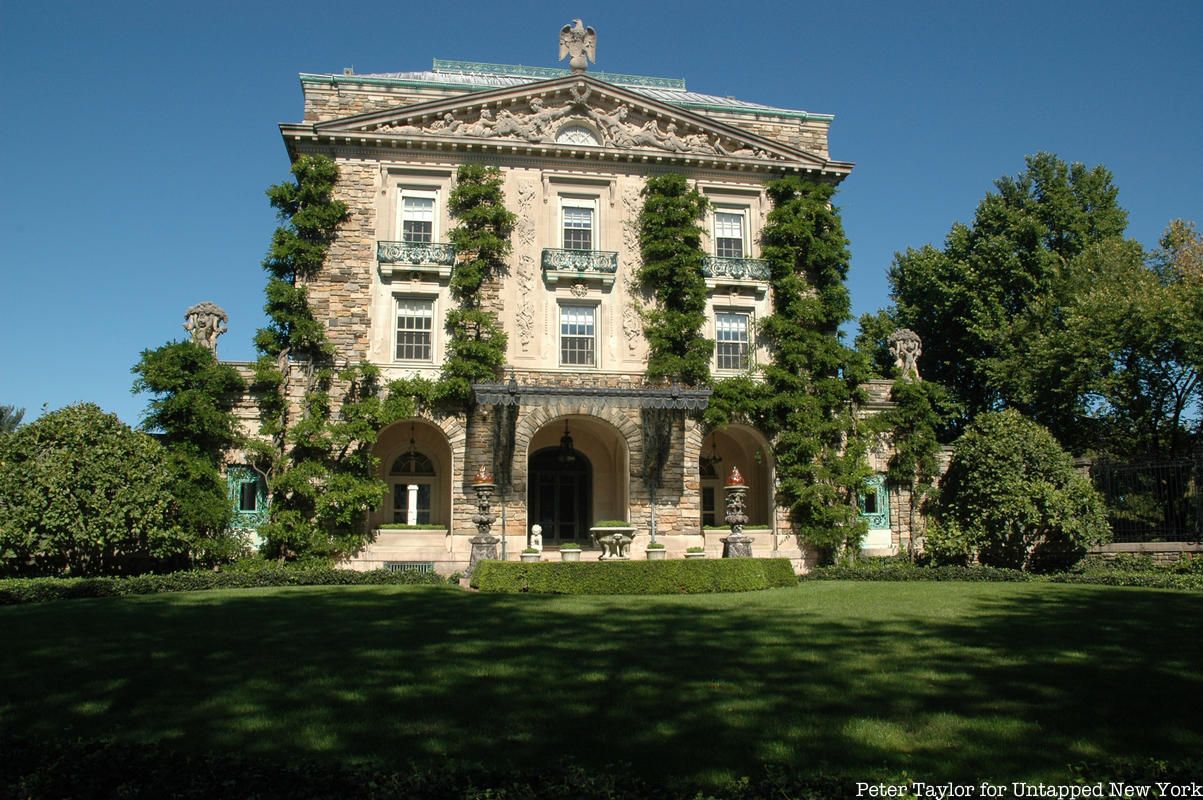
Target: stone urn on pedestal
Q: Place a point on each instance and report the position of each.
(484, 543)
(737, 545)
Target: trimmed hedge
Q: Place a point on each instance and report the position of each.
(14, 591)
(1122, 571)
(677, 576)
(895, 570)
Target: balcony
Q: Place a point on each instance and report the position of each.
(400, 258)
(579, 265)
(737, 272)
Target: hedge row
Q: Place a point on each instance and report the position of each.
(894, 570)
(678, 576)
(1138, 571)
(39, 590)
(41, 770)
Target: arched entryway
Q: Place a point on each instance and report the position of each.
(736, 446)
(561, 495)
(578, 469)
(416, 464)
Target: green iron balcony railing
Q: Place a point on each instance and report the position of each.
(416, 253)
(596, 262)
(755, 269)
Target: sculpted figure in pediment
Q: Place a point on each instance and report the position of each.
(485, 127)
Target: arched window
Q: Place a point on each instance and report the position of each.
(412, 478)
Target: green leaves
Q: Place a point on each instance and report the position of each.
(670, 244)
(1012, 497)
(82, 494)
(813, 378)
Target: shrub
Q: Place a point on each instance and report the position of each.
(39, 590)
(612, 523)
(681, 576)
(82, 494)
(1011, 498)
(898, 570)
(695, 549)
(570, 546)
(655, 546)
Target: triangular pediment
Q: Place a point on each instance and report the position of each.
(580, 113)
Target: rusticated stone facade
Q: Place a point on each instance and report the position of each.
(574, 151)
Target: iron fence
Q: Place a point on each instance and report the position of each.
(1152, 501)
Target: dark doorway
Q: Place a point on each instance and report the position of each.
(560, 488)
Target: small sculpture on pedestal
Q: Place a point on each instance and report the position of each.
(484, 543)
(737, 545)
(906, 346)
(204, 323)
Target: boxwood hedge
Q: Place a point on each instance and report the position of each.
(38, 590)
(677, 576)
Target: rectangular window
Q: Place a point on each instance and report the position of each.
(578, 223)
(732, 339)
(729, 234)
(708, 516)
(417, 211)
(415, 325)
(578, 334)
(248, 496)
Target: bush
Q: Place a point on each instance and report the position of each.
(693, 576)
(570, 546)
(16, 591)
(1011, 498)
(904, 570)
(82, 494)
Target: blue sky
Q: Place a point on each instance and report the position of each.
(138, 138)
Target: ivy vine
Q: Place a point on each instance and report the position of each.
(670, 246)
(812, 381)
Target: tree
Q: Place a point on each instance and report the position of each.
(978, 302)
(192, 414)
(670, 246)
(10, 418)
(813, 378)
(1012, 498)
(82, 494)
(1127, 350)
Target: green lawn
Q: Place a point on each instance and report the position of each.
(943, 680)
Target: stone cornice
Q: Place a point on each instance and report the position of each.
(464, 123)
(301, 140)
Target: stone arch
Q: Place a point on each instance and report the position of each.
(441, 440)
(539, 416)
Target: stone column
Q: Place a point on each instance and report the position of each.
(484, 543)
(737, 545)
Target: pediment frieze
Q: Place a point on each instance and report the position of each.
(572, 112)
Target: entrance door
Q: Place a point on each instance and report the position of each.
(559, 494)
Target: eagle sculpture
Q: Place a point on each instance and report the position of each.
(580, 43)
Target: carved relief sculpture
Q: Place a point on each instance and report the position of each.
(204, 323)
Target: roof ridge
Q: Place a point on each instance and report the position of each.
(448, 66)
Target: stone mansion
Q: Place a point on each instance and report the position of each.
(574, 148)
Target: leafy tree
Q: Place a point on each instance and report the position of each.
(670, 245)
(10, 418)
(1012, 498)
(82, 494)
(1126, 352)
(976, 303)
(812, 380)
(192, 414)
(476, 348)
(872, 342)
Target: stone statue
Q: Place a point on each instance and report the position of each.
(204, 323)
(580, 44)
(906, 346)
(536, 537)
